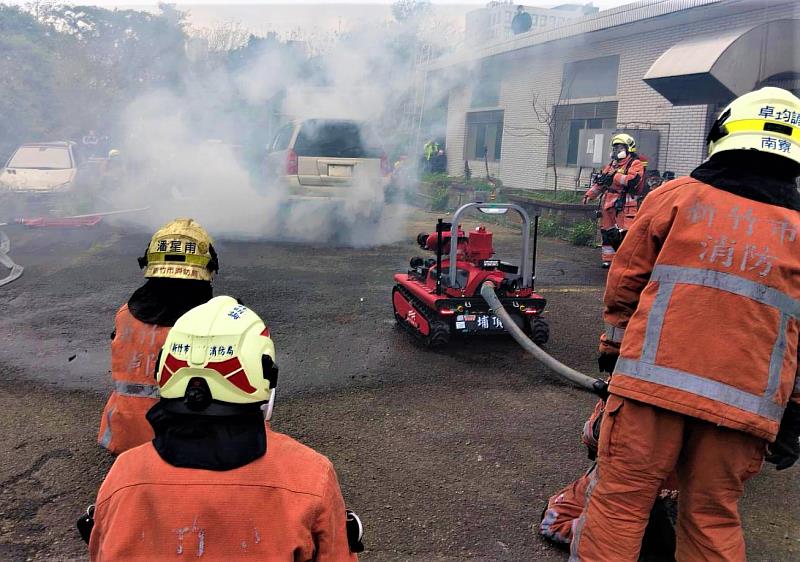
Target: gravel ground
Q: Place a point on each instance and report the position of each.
(446, 455)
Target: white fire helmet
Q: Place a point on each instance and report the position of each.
(225, 344)
(767, 120)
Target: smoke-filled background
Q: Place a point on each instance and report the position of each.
(191, 109)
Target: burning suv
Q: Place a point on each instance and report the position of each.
(41, 168)
(334, 159)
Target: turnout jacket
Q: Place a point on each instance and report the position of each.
(134, 352)
(285, 505)
(624, 172)
(704, 297)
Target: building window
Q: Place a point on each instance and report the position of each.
(534, 20)
(486, 89)
(542, 21)
(571, 119)
(484, 135)
(591, 78)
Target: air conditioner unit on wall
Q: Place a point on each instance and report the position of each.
(594, 152)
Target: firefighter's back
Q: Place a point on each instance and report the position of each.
(268, 509)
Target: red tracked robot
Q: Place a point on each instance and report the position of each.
(440, 297)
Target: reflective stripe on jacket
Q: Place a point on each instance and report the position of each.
(705, 290)
(285, 505)
(134, 352)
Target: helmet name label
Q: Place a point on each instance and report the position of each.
(785, 115)
(237, 311)
(776, 144)
(180, 348)
(171, 271)
(213, 351)
(218, 351)
(179, 246)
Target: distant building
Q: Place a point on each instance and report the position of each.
(493, 23)
(661, 70)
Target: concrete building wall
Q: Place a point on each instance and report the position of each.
(537, 71)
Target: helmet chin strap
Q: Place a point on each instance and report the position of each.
(267, 408)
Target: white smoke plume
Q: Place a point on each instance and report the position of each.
(176, 164)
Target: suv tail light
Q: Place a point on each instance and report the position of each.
(386, 169)
(291, 162)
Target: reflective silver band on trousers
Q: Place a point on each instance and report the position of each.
(645, 368)
(614, 334)
(136, 389)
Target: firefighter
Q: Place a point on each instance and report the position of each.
(178, 264)
(216, 481)
(565, 506)
(619, 180)
(703, 315)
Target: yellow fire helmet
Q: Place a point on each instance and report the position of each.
(767, 120)
(223, 348)
(622, 138)
(181, 249)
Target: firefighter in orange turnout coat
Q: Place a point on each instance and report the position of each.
(620, 180)
(179, 263)
(217, 482)
(703, 322)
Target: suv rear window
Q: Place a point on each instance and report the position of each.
(282, 139)
(41, 158)
(335, 139)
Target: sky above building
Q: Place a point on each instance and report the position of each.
(602, 4)
(303, 17)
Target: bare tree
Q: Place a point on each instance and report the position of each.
(547, 115)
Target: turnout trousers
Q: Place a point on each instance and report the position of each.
(640, 445)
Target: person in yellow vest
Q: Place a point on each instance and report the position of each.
(217, 482)
(703, 325)
(179, 264)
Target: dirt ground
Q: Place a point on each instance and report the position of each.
(446, 455)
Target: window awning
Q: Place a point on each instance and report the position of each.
(717, 67)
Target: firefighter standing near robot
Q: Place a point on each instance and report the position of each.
(217, 481)
(179, 264)
(703, 316)
(617, 181)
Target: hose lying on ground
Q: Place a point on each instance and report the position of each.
(591, 384)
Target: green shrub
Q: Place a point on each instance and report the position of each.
(549, 226)
(557, 197)
(439, 199)
(580, 234)
(437, 178)
(482, 184)
(583, 233)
